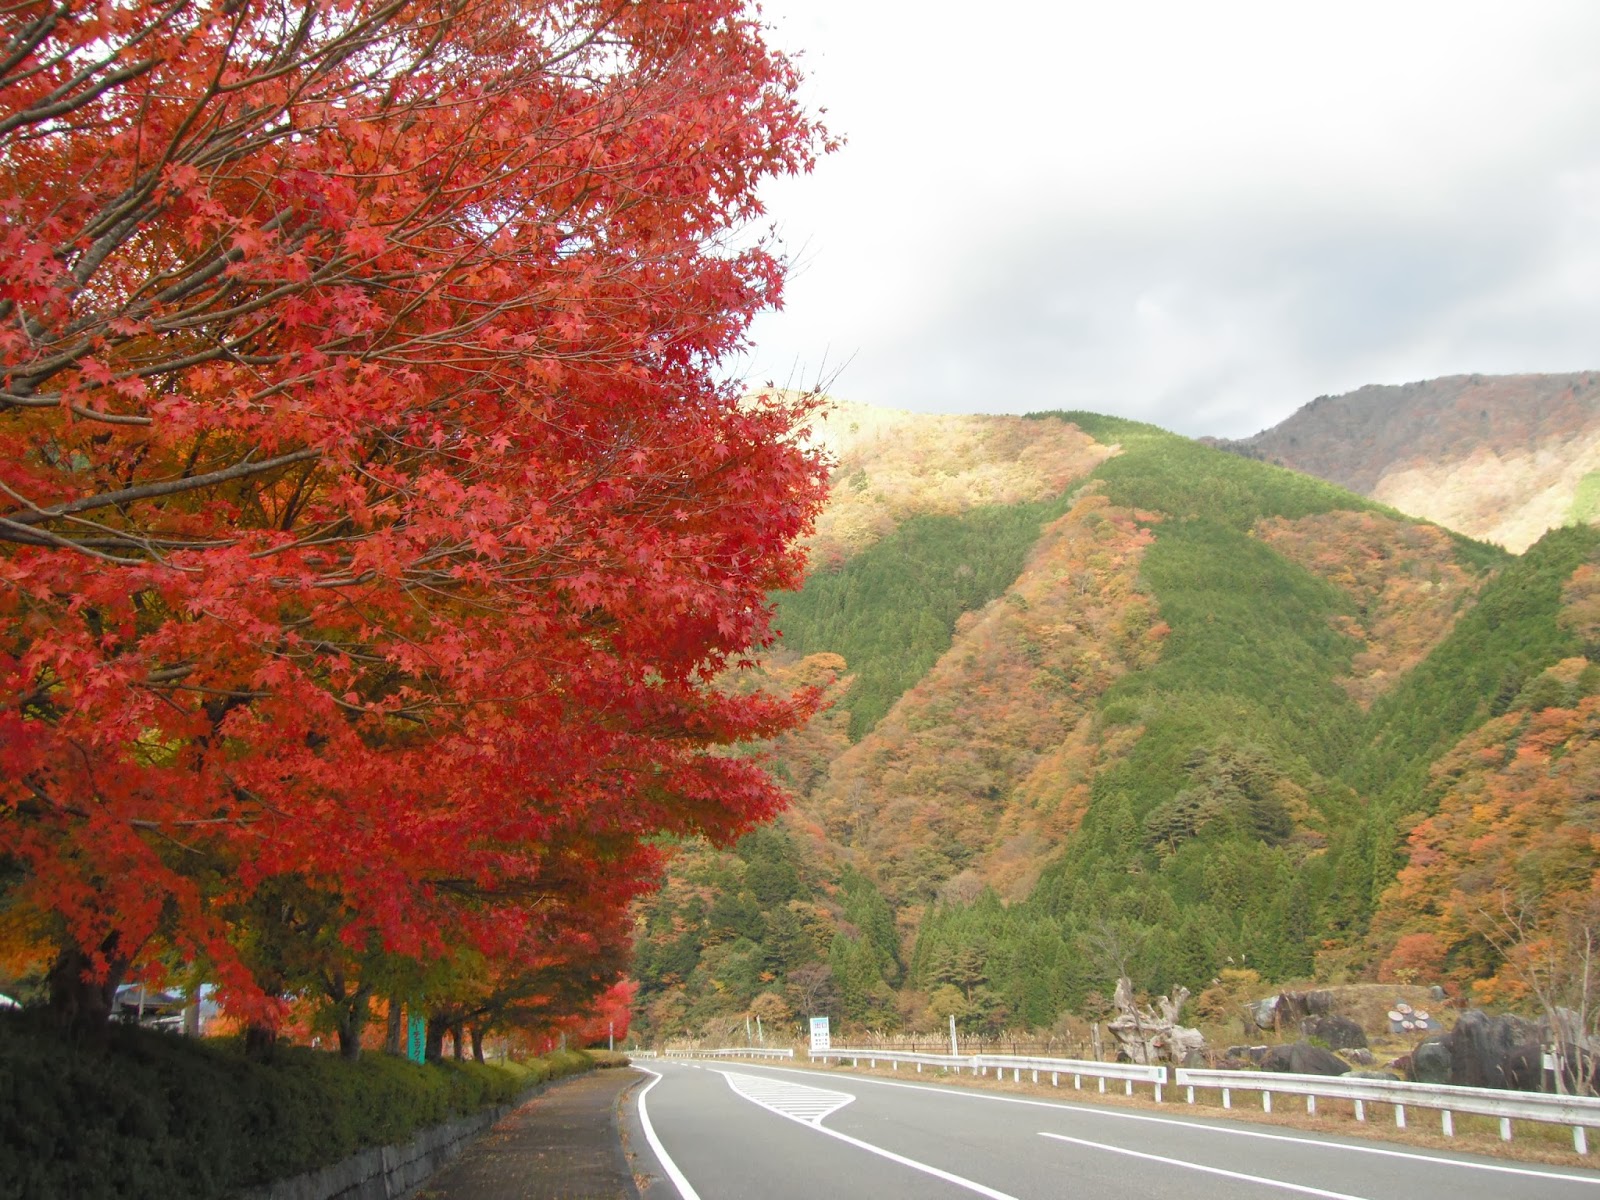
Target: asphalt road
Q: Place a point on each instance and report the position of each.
(730, 1131)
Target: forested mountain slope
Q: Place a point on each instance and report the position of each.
(1502, 458)
(1187, 709)
(896, 465)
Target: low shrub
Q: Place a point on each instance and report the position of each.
(158, 1115)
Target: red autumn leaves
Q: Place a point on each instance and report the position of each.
(374, 522)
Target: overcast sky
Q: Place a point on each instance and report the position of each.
(1197, 214)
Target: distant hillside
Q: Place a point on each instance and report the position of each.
(894, 465)
(1099, 687)
(1500, 458)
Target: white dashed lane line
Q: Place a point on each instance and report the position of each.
(1194, 1166)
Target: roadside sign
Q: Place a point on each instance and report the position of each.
(819, 1033)
(417, 1040)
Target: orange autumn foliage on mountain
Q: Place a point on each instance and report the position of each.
(893, 465)
(1580, 604)
(924, 794)
(375, 522)
(1513, 838)
(1404, 577)
(800, 757)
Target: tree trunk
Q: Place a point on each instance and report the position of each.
(80, 1003)
(436, 1029)
(395, 1035)
(1147, 1038)
(348, 1028)
(352, 1019)
(477, 1043)
(260, 1042)
(457, 1040)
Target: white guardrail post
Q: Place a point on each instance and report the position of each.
(1579, 1112)
(981, 1064)
(733, 1052)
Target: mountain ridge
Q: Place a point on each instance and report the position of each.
(1500, 458)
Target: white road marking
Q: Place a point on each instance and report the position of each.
(1117, 1114)
(686, 1191)
(1193, 1166)
(791, 1104)
(805, 1104)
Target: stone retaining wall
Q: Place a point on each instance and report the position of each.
(387, 1172)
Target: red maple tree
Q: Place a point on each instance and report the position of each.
(374, 522)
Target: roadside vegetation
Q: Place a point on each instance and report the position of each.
(155, 1114)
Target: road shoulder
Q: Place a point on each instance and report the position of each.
(564, 1144)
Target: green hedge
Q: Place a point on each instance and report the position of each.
(163, 1116)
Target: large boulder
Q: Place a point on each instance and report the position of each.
(1260, 1014)
(1286, 1010)
(1297, 1006)
(1496, 1052)
(1430, 1062)
(1340, 1033)
(1302, 1058)
(1481, 1051)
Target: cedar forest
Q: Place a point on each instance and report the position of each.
(399, 608)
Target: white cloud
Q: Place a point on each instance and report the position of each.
(1202, 215)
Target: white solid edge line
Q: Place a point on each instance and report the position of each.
(1197, 1123)
(685, 1189)
(1226, 1174)
(925, 1168)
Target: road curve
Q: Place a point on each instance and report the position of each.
(734, 1131)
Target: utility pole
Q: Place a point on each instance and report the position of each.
(953, 1049)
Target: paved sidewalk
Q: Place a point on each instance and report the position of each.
(564, 1144)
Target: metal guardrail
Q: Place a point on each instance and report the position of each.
(1580, 1112)
(1129, 1073)
(895, 1057)
(982, 1064)
(732, 1052)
